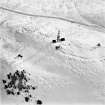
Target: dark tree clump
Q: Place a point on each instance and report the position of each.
(16, 83)
(39, 102)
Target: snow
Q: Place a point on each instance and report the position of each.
(75, 73)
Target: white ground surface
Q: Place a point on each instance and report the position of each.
(74, 74)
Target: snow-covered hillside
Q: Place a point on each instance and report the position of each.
(65, 60)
